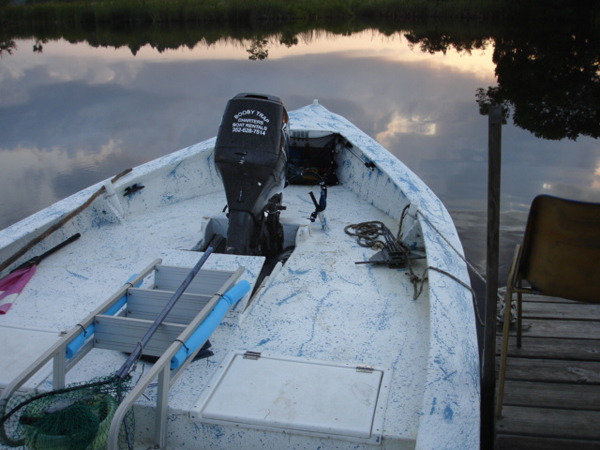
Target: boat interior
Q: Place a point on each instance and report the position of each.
(320, 321)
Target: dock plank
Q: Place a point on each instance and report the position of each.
(562, 311)
(555, 348)
(549, 370)
(569, 329)
(510, 442)
(552, 391)
(552, 395)
(558, 423)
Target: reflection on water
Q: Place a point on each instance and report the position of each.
(472, 228)
(399, 125)
(549, 80)
(73, 115)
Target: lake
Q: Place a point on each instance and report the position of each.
(73, 114)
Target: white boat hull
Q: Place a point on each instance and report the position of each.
(320, 322)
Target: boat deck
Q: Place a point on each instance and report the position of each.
(552, 392)
(320, 307)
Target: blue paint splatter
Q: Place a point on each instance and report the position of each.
(448, 413)
(264, 341)
(433, 406)
(298, 271)
(324, 276)
(349, 281)
(173, 173)
(282, 301)
(78, 275)
(168, 199)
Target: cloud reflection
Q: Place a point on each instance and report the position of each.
(403, 125)
(36, 177)
(596, 179)
(75, 114)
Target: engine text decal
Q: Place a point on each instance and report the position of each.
(250, 121)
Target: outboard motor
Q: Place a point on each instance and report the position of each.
(251, 153)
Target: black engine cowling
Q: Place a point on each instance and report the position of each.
(251, 154)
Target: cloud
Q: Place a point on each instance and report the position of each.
(399, 124)
(32, 178)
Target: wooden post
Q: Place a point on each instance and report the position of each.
(488, 382)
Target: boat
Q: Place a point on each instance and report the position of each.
(332, 341)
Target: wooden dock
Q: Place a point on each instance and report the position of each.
(552, 393)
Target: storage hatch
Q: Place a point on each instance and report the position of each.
(297, 395)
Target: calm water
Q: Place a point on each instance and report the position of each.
(73, 115)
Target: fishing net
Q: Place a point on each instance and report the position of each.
(76, 417)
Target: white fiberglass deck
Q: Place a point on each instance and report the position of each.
(320, 306)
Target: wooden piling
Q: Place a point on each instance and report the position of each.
(492, 258)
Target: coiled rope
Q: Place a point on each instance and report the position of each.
(368, 235)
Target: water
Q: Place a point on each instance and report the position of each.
(74, 114)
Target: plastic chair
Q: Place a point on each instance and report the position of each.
(559, 257)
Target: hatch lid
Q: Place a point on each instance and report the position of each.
(298, 395)
(22, 347)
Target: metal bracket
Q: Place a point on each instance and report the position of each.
(251, 355)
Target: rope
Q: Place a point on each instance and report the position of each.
(368, 234)
(461, 256)
(183, 344)
(82, 329)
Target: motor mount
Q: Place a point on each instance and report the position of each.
(251, 154)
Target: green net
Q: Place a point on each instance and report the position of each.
(77, 417)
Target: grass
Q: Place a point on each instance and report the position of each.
(155, 12)
(190, 19)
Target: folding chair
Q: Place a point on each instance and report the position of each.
(559, 257)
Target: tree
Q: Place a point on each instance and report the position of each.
(550, 82)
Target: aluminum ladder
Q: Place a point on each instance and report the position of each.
(121, 321)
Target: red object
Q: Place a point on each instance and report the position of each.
(12, 285)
